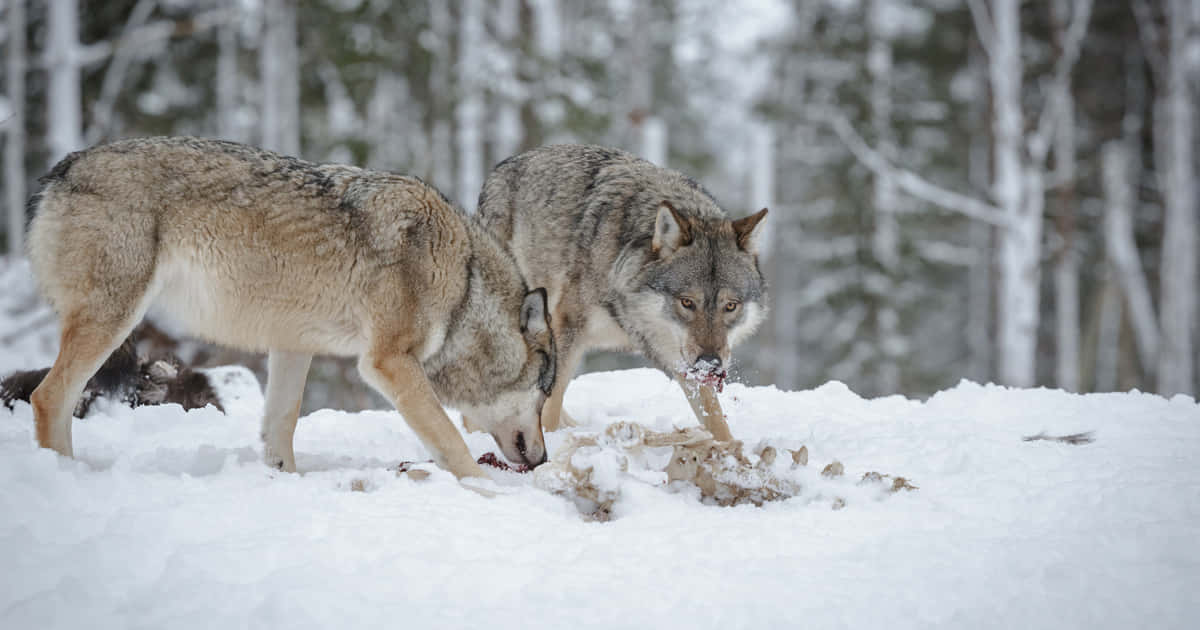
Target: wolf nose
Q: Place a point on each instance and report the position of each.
(712, 360)
(537, 459)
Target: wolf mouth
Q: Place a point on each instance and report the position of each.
(704, 375)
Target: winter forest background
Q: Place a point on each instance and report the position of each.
(990, 189)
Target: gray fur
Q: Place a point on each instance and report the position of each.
(581, 220)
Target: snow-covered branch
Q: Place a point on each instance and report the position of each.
(912, 183)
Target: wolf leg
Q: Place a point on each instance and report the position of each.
(703, 399)
(399, 376)
(286, 373)
(87, 340)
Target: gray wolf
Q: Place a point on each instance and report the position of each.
(264, 252)
(634, 257)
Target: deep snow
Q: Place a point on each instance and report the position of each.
(167, 519)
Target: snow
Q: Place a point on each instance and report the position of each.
(168, 519)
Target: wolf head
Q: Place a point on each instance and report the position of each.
(498, 366)
(697, 293)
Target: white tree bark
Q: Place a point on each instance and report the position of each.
(469, 110)
(65, 116)
(762, 181)
(441, 138)
(654, 140)
(279, 68)
(14, 142)
(227, 80)
(1018, 192)
(1066, 299)
(1121, 250)
(1066, 266)
(506, 128)
(885, 240)
(1175, 130)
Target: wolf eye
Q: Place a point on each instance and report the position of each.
(687, 303)
(731, 307)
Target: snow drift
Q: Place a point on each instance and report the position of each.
(168, 519)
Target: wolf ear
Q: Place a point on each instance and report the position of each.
(533, 312)
(747, 229)
(671, 230)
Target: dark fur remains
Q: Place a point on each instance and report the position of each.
(125, 376)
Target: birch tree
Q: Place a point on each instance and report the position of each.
(441, 77)
(505, 128)
(1066, 259)
(469, 110)
(1174, 149)
(227, 86)
(14, 141)
(1018, 180)
(885, 239)
(63, 99)
(279, 78)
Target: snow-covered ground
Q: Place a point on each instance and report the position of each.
(167, 519)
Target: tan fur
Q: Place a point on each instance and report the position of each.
(263, 252)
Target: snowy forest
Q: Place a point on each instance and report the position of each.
(994, 190)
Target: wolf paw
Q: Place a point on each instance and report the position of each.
(278, 461)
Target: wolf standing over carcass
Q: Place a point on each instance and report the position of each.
(635, 257)
(264, 252)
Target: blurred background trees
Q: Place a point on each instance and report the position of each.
(983, 189)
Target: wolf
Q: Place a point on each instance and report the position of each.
(264, 252)
(633, 257)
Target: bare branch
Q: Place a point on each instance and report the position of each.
(983, 24)
(99, 52)
(1061, 83)
(114, 76)
(912, 183)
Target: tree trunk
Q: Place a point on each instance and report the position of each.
(505, 128)
(441, 130)
(885, 238)
(1175, 130)
(1108, 340)
(65, 105)
(14, 142)
(980, 277)
(1018, 191)
(1122, 250)
(227, 80)
(469, 111)
(278, 62)
(1066, 264)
